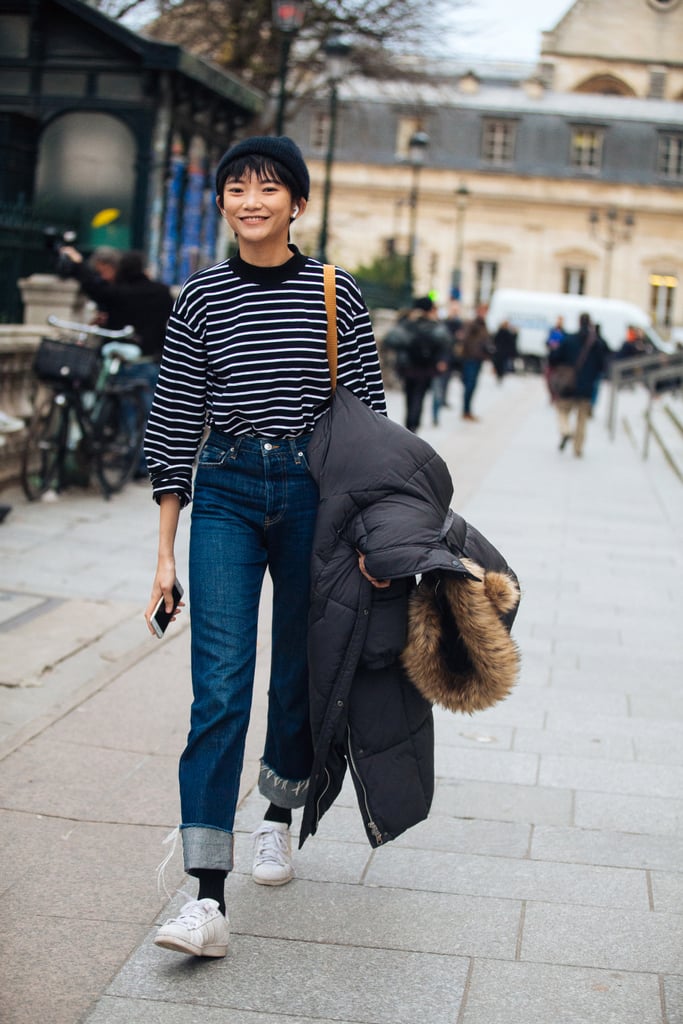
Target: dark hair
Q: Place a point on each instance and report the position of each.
(264, 167)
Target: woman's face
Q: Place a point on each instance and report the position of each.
(259, 211)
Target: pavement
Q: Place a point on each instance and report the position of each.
(546, 886)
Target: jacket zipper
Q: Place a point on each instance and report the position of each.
(322, 794)
(370, 824)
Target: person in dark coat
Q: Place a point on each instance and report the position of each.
(504, 350)
(578, 363)
(422, 347)
(380, 655)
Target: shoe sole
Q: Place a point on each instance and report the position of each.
(178, 946)
(273, 881)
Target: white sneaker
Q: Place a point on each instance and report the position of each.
(199, 929)
(272, 854)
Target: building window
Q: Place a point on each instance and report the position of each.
(662, 296)
(320, 131)
(574, 281)
(487, 272)
(498, 142)
(670, 155)
(586, 149)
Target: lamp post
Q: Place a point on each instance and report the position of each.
(462, 195)
(288, 17)
(337, 52)
(419, 141)
(616, 228)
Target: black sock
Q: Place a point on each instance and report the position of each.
(212, 886)
(274, 813)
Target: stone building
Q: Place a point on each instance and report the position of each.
(566, 175)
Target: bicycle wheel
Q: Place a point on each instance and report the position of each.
(119, 425)
(42, 464)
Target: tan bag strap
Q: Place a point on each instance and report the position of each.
(329, 281)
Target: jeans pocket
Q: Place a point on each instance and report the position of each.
(212, 455)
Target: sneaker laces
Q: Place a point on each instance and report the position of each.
(171, 838)
(271, 846)
(194, 914)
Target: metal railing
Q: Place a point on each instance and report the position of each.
(646, 370)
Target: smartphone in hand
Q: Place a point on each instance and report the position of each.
(160, 618)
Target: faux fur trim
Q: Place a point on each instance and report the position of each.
(460, 653)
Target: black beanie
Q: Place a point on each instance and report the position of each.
(279, 148)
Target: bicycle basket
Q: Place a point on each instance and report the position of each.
(66, 362)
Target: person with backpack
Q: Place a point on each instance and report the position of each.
(422, 347)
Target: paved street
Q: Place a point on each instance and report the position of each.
(546, 886)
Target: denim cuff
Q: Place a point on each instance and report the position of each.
(206, 848)
(281, 792)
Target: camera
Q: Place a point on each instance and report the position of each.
(54, 240)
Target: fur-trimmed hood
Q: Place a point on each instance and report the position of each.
(459, 653)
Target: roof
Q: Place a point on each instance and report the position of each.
(170, 57)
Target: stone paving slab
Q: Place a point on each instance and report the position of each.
(502, 802)
(613, 939)
(608, 777)
(652, 815)
(520, 993)
(363, 916)
(319, 981)
(117, 1010)
(603, 846)
(32, 649)
(508, 878)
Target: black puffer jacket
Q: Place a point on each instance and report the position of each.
(385, 492)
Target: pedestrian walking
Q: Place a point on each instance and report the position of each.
(476, 347)
(577, 362)
(422, 346)
(504, 350)
(245, 355)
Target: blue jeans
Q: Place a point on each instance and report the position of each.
(254, 507)
(470, 374)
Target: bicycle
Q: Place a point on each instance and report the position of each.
(88, 420)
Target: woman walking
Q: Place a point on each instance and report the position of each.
(245, 355)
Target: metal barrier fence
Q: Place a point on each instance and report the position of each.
(646, 370)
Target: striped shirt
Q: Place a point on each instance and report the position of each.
(245, 353)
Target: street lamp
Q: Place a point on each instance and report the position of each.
(288, 17)
(616, 228)
(419, 141)
(462, 195)
(337, 52)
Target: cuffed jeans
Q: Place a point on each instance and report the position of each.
(254, 508)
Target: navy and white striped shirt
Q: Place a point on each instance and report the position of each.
(245, 352)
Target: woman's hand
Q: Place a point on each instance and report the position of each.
(163, 587)
(380, 584)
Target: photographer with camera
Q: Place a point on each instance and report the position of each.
(125, 295)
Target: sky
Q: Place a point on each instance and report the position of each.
(506, 29)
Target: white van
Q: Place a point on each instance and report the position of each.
(533, 314)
